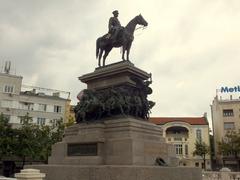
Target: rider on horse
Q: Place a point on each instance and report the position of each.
(114, 27)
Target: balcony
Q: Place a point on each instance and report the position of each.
(177, 133)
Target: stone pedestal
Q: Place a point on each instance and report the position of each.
(122, 141)
(126, 150)
(118, 172)
(117, 74)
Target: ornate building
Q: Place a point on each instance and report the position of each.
(183, 132)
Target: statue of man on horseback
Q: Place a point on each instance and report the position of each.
(114, 26)
(117, 36)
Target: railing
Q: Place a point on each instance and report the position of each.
(214, 175)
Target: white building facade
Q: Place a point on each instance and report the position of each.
(42, 108)
(225, 110)
(183, 132)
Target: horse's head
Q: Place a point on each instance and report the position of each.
(141, 20)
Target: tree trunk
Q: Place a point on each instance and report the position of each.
(238, 162)
(46, 159)
(204, 163)
(23, 161)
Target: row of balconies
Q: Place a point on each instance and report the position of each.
(26, 106)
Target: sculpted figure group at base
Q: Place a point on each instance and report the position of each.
(122, 100)
(117, 36)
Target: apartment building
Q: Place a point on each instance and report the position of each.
(45, 106)
(225, 117)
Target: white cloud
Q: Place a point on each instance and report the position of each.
(191, 47)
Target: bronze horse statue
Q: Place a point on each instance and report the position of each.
(124, 39)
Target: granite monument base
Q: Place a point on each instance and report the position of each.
(117, 141)
(117, 149)
(118, 172)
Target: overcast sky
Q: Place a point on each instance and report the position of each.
(191, 47)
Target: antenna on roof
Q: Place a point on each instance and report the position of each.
(7, 67)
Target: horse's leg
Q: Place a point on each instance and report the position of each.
(105, 55)
(104, 58)
(99, 57)
(99, 62)
(128, 50)
(123, 52)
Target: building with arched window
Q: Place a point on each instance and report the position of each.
(183, 132)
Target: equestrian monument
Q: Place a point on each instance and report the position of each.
(112, 138)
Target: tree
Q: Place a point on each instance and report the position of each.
(230, 145)
(47, 136)
(27, 146)
(201, 149)
(36, 141)
(30, 141)
(44, 142)
(7, 138)
(57, 131)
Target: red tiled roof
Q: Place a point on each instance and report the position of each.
(189, 120)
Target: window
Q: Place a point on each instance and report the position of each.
(57, 109)
(177, 138)
(42, 107)
(186, 149)
(21, 119)
(229, 125)
(199, 135)
(25, 119)
(8, 89)
(26, 106)
(169, 139)
(7, 104)
(41, 121)
(178, 148)
(228, 112)
(54, 122)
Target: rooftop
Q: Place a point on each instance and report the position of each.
(10, 75)
(189, 120)
(42, 95)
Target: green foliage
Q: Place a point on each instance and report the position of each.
(212, 146)
(30, 141)
(7, 140)
(49, 135)
(231, 144)
(26, 136)
(201, 149)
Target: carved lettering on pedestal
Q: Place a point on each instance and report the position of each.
(88, 149)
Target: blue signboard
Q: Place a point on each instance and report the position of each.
(230, 89)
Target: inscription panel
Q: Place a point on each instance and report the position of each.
(88, 149)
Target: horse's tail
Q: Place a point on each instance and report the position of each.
(97, 48)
